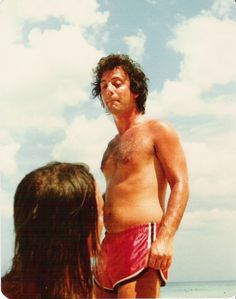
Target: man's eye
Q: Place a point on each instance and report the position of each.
(103, 87)
(117, 83)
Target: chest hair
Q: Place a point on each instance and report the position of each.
(130, 148)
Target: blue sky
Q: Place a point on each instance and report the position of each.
(187, 49)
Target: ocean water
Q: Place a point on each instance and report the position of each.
(212, 289)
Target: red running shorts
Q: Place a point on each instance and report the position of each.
(124, 256)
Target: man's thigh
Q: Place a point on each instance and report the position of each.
(146, 285)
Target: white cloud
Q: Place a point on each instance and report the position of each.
(181, 98)
(8, 151)
(85, 141)
(6, 204)
(176, 98)
(210, 153)
(205, 246)
(212, 166)
(208, 47)
(43, 71)
(222, 8)
(7, 161)
(53, 71)
(211, 220)
(136, 44)
(152, 2)
(82, 13)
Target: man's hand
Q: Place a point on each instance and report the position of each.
(161, 254)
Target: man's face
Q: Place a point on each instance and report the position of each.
(115, 91)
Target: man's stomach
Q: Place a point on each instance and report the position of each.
(133, 199)
(121, 213)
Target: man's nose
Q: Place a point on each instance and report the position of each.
(110, 88)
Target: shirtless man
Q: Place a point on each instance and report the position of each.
(138, 163)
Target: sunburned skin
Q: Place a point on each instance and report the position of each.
(140, 161)
(135, 180)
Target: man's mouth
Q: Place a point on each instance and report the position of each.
(112, 102)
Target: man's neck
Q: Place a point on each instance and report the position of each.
(126, 121)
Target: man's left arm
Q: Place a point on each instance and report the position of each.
(171, 155)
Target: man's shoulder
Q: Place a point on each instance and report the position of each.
(162, 132)
(161, 126)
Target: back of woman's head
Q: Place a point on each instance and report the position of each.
(55, 214)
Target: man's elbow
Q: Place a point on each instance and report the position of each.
(182, 186)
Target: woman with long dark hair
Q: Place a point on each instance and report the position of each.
(57, 212)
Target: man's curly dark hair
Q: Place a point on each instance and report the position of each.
(138, 80)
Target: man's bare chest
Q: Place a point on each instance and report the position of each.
(129, 150)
